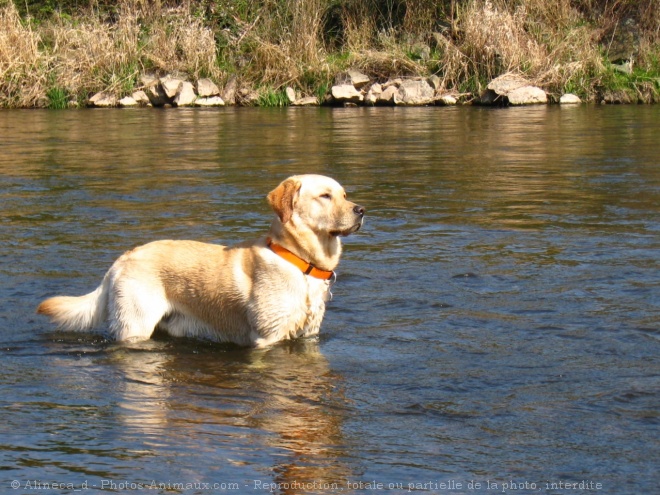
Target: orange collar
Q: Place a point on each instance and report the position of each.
(304, 266)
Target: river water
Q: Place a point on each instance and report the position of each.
(495, 326)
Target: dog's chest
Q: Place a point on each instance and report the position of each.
(318, 292)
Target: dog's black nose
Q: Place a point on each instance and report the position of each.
(359, 210)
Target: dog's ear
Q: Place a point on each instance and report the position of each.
(282, 198)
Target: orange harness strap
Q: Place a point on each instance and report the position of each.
(304, 266)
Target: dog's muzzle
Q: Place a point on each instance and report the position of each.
(359, 212)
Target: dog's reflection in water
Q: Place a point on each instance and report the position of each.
(278, 410)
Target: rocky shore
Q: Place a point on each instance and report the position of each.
(351, 88)
(327, 52)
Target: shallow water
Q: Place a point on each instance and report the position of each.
(495, 326)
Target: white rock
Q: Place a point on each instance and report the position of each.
(393, 82)
(569, 99)
(148, 80)
(128, 101)
(206, 87)
(346, 93)
(514, 90)
(447, 100)
(229, 92)
(374, 92)
(308, 101)
(140, 97)
(186, 95)
(103, 99)
(527, 95)
(414, 93)
(290, 94)
(211, 101)
(506, 83)
(170, 86)
(387, 96)
(357, 78)
(435, 82)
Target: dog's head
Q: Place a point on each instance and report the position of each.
(319, 203)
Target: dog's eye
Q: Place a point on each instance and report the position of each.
(326, 196)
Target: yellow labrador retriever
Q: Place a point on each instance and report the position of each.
(254, 293)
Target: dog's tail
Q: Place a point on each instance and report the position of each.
(77, 313)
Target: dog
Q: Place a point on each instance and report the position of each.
(255, 293)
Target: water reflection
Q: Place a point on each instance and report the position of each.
(514, 172)
(284, 401)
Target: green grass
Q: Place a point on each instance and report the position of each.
(322, 90)
(640, 85)
(273, 98)
(58, 98)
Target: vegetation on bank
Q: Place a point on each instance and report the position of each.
(55, 51)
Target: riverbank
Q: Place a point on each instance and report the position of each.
(277, 53)
(352, 88)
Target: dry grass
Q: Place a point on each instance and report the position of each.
(305, 30)
(23, 67)
(87, 54)
(384, 63)
(270, 64)
(497, 40)
(359, 27)
(560, 45)
(90, 55)
(179, 42)
(277, 44)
